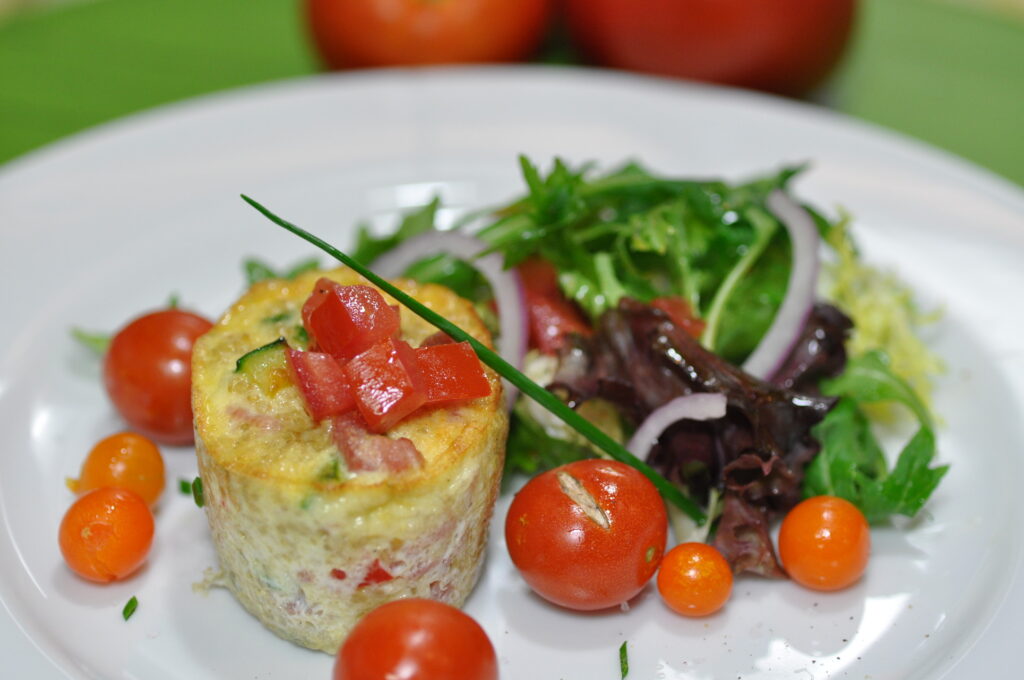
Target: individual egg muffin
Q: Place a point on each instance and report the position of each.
(305, 544)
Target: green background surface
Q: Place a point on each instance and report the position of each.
(949, 75)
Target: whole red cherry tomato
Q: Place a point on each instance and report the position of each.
(783, 46)
(361, 33)
(148, 373)
(587, 535)
(416, 639)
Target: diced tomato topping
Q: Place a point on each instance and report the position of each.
(365, 451)
(551, 319)
(376, 574)
(452, 372)
(387, 383)
(680, 313)
(322, 383)
(338, 574)
(346, 320)
(438, 338)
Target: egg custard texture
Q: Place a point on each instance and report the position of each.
(306, 546)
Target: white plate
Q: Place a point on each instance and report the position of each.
(107, 224)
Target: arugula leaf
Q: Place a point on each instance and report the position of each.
(531, 449)
(452, 272)
(851, 463)
(869, 379)
(97, 342)
(632, 234)
(369, 247)
(257, 270)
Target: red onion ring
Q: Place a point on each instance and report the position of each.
(505, 284)
(697, 406)
(782, 335)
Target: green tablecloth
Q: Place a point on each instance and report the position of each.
(949, 75)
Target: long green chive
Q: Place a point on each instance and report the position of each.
(130, 607)
(623, 660)
(502, 367)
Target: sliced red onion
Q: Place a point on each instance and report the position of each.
(698, 406)
(782, 335)
(505, 284)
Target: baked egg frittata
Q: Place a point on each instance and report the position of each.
(307, 545)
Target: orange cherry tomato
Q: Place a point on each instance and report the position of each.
(126, 460)
(694, 579)
(824, 543)
(361, 33)
(106, 534)
(587, 535)
(416, 639)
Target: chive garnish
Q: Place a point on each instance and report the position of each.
(502, 367)
(197, 492)
(130, 608)
(623, 660)
(185, 487)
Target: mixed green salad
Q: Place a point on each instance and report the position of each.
(626, 294)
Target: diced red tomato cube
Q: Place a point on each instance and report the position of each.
(387, 383)
(452, 372)
(680, 313)
(346, 320)
(321, 382)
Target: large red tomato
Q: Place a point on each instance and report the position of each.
(360, 33)
(783, 46)
(587, 535)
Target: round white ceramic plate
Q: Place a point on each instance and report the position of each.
(100, 227)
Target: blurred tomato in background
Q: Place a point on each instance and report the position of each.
(782, 46)
(360, 33)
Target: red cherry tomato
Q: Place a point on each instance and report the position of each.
(694, 579)
(148, 373)
(587, 535)
(359, 33)
(106, 534)
(550, 316)
(416, 639)
(126, 460)
(824, 543)
(783, 46)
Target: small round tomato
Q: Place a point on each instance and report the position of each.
(106, 534)
(148, 373)
(361, 33)
(824, 543)
(783, 46)
(126, 460)
(694, 579)
(416, 639)
(587, 535)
